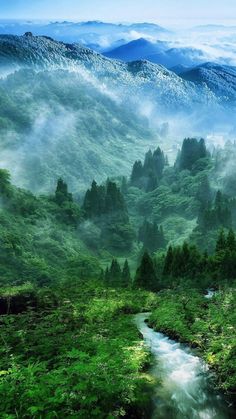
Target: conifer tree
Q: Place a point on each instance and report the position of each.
(231, 241)
(146, 276)
(148, 166)
(159, 162)
(115, 273)
(126, 277)
(152, 182)
(137, 173)
(192, 150)
(62, 195)
(168, 261)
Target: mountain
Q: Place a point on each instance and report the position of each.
(106, 75)
(68, 111)
(220, 79)
(178, 56)
(179, 69)
(136, 50)
(100, 34)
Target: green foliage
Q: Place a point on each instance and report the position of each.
(192, 151)
(188, 262)
(151, 236)
(218, 215)
(117, 277)
(79, 356)
(147, 175)
(62, 195)
(69, 347)
(106, 207)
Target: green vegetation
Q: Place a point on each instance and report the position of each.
(74, 271)
(78, 355)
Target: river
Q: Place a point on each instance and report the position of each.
(185, 391)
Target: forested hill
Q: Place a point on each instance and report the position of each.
(72, 274)
(69, 111)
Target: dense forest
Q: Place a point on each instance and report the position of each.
(75, 269)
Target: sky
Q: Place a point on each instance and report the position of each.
(158, 11)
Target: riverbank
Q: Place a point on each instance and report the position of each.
(184, 382)
(205, 324)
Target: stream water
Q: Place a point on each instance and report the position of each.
(185, 391)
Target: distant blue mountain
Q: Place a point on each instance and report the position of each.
(186, 57)
(136, 50)
(179, 69)
(159, 53)
(87, 33)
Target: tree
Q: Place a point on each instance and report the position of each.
(221, 242)
(146, 276)
(137, 173)
(204, 193)
(151, 236)
(159, 162)
(192, 150)
(114, 200)
(126, 277)
(231, 241)
(152, 182)
(62, 195)
(148, 166)
(5, 183)
(115, 273)
(94, 201)
(168, 264)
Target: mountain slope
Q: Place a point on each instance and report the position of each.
(67, 111)
(158, 83)
(178, 56)
(64, 127)
(220, 79)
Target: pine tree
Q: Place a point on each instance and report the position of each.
(231, 241)
(126, 277)
(148, 166)
(221, 242)
(159, 162)
(167, 270)
(94, 201)
(151, 236)
(192, 150)
(115, 273)
(146, 276)
(137, 173)
(151, 183)
(114, 201)
(62, 195)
